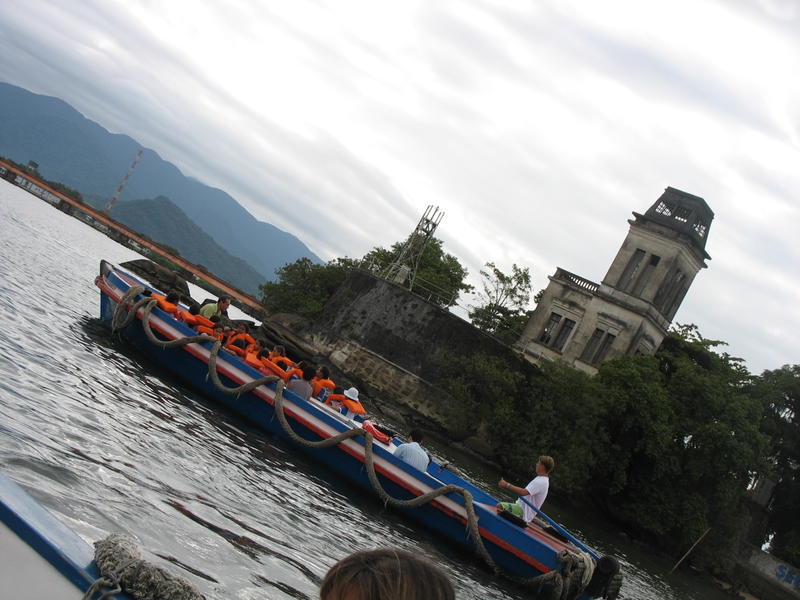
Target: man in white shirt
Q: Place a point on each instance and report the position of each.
(535, 492)
(412, 453)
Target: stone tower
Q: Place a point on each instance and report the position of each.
(584, 323)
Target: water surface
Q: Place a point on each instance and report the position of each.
(108, 442)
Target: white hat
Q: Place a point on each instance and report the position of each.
(351, 393)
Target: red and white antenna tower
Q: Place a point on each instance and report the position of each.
(122, 183)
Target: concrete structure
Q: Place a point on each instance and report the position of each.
(767, 577)
(585, 323)
(396, 344)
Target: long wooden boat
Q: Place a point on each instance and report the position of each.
(464, 514)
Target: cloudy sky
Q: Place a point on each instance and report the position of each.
(537, 127)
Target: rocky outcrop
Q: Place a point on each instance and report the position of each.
(162, 278)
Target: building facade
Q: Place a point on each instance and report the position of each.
(584, 323)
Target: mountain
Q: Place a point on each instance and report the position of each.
(164, 222)
(83, 155)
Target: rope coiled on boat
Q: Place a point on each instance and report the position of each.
(566, 583)
(123, 569)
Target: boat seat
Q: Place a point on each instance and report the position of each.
(509, 516)
(546, 527)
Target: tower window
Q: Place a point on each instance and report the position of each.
(668, 289)
(602, 352)
(700, 229)
(563, 334)
(646, 274)
(630, 270)
(592, 345)
(665, 208)
(682, 214)
(597, 347)
(548, 330)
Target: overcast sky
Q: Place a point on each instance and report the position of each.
(537, 127)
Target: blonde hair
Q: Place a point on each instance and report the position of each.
(385, 574)
(548, 463)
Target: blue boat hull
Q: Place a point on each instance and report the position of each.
(521, 552)
(66, 569)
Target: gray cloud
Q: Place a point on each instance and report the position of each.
(552, 187)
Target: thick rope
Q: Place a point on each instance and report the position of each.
(612, 590)
(567, 582)
(122, 569)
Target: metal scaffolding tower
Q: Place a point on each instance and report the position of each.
(404, 268)
(122, 183)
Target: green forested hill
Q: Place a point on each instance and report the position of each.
(81, 154)
(163, 222)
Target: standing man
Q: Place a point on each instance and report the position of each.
(535, 492)
(216, 309)
(412, 453)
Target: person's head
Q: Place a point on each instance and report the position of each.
(415, 435)
(351, 393)
(173, 297)
(308, 372)
(385, 573)
(279, 350)
(223, 302)
(323, 373)
(545, 465)
(338, 389)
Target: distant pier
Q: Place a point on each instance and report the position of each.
(121, 233)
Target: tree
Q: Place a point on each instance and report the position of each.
(504, 300)
(782, 388)
(440, 277)
(303, 287)
(685, 441)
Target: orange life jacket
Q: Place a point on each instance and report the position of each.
(335, 399)
(209, 331)
(354, 405)
(187, 317)
(167, 306)
(162, 303)
(318, 384)
(276, 370)
(376, 433)
(252, 359)
(275, 357)
(235, 350)
(249, 341)
(201, 320)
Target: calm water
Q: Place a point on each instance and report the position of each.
(108, 443)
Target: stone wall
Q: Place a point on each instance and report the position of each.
(399, 326)
(391, 385)
(395, 342)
